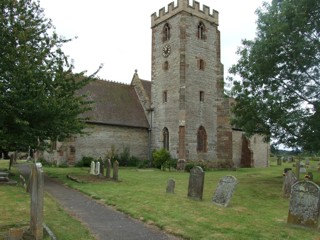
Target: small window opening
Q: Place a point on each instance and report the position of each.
(201, 96)
(165, 96)
(165, 65)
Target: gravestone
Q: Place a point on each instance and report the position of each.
(224, 191)
(279, 160)
(92, 168)
(36, 209)
(304, 204)
(101, 167)
(170, 186)
(97, 171)
(303, 170)
(196, 182)
(307, 162)
(108, 168)
(181, 164)
(115, 175)
(4, 177)
(288, 180)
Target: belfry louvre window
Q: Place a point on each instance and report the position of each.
(201, 140)
(166, 32)
(201, 31)
(165, 133)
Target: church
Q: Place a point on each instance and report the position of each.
(182, 109)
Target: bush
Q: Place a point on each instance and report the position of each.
(84, 162)
(161, 159)
(190, 165)
(124, 157)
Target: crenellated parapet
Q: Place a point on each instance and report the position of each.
(183, 5)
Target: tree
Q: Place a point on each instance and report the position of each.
(276, 80)
(38, 99)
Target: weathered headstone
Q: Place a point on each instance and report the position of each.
(304, 206)
(36, 209)
(224, 191)
(101, 167)
(4, 177)
(307, 162)
(288, 180)
(196, 183)
(92, 168)
(279, 160)
(181, 164)
(170, 186)
(108, 168)
(115, 175)
(97, 171)
(303, 170)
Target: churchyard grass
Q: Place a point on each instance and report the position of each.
(15, 212)
(257, 209)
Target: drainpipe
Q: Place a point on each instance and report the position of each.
(150, 110)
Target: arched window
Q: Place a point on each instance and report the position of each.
(165, 133)
(201, 64)
(201, 31)
(201, 140)
(166, 32)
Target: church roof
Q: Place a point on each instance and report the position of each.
(114, 104)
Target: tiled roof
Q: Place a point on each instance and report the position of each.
(147, 87)
(114, 104)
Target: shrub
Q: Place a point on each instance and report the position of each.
(201, 164)
(161, 158)
(124, 157)
(84, 162)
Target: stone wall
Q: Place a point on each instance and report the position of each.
(259, 150)
(103, 137)
(98, 142)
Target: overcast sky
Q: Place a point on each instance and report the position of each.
(118, 33)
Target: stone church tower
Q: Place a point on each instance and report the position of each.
(190, 116)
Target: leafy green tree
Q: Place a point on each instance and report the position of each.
(37, 86)
(276, 81)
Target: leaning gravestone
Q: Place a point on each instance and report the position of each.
(196, 182)
(304, 204)
(170, 186)
(224, 191)
(36, 209)
(115, 175)
(288, 180)
(108, 168)
(101, 167)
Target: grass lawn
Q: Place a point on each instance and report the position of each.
(15, 213)
(257, 209)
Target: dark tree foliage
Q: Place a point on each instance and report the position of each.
(276, 82)
(37, 87)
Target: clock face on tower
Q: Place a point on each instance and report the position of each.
(166, 50)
